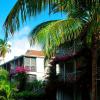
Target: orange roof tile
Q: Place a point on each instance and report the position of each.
(34, 53)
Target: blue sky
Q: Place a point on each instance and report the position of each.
(19, 42)
(5, 7)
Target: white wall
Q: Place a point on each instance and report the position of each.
(40, 68)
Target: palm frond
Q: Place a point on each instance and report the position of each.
(4, 48)
(22, 10)
(77, 8)
(56, 33)
(40, 26)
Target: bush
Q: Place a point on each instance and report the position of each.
(29, 95)
(5, 88)
(21, 77)
(34, 85)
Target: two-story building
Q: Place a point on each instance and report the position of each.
(72, 71)
(32, 60)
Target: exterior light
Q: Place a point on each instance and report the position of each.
(57, 69)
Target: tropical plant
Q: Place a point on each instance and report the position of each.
(86, 12)
(29, 95)
(4, 48)
(5, 88)
(21, 77)
(90, 27)
(54, 33)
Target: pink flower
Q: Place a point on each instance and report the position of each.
(21, 69)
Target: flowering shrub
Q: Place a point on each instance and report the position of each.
(21, 69)
(21, 76)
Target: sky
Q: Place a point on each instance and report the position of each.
(19, 42)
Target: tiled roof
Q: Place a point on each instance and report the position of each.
(34, 53)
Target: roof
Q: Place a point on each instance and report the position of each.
(29, 53)
(34, 53)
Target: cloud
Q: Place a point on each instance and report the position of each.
(23, 33)
(19, 43)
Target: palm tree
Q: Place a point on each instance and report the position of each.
(51, 34)
(84, 12)
(4, 48)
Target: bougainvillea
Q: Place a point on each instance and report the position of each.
(21, 69)
(21, 76)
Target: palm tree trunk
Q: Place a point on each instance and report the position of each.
(94, 66)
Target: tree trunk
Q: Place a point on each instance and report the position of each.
(94, 66)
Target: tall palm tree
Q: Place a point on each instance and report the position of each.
(4, 48)
(86, 12)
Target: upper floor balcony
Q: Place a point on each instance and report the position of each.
(70, 77)
(65, 50)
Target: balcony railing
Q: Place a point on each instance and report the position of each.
(62, 51)
(70, 77)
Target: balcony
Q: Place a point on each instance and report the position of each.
(75, 47)
(70, 77)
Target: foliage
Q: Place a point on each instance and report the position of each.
(3, 74)
(86, 11)
(21, 73)
(29, 95)
(21, 77)
(35, 85)
(31, 91)
(4, 47)
(5, 88)
(23, 9)
(22, 89)
(55, 33)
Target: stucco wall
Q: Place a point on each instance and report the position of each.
(40, 68)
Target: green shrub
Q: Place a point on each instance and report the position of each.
(21, 78)
(5, 87)
(29, 95)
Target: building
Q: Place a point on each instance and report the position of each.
(71, 77)
(32, 60)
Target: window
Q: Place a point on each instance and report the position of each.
(26, 61)
(30, 63)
